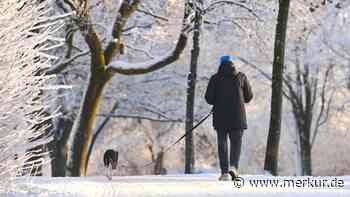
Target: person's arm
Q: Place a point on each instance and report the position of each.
(247, 90)
(210, 93)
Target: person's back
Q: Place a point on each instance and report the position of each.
(227, 91)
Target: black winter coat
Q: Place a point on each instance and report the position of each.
(227, 91)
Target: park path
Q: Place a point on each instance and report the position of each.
(200, 185)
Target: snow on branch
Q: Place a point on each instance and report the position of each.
(127, 68)
(115, 46)
(150, 13)
(262, 72)
(139, 117)
(63, 65)
(26, 30)
(216, 4)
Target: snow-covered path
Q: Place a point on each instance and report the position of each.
(201, 185)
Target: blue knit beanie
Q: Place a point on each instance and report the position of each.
(226, 58)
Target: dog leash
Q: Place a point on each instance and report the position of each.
(183, 136)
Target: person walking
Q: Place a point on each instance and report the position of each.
(228, 90)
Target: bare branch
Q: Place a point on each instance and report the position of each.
(115, 46)
(231, 20)
(307, 89)
(159, 113)
(70, 4)
(137, 27)
(99, 130)
(299, 82)
(63, 65)
(148, 54)
(336, 52)
(294, 97)
(139, 117)
(216, 4)
(322, 112)
(150, 13)
(263, 73)
(93, 41)
(314, 84)
(151, 65)
(91, 36)
(145, 67)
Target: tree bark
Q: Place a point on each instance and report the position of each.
(348, 85)
(80, 135)
(304, 130)
(271, 156)
(305, 141)
(159, 167)
(305, 153)
(303, 101)
(298, 163)
(99, 130)
(58, 147)
(191, 89)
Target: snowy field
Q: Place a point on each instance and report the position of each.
(201, 185)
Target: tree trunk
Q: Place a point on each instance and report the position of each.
(304, 130)
(305, 153)
(98, 132)
(348, 76)
(271, 156)
(58, 147)
(80, 135)
(305, 137)
(298, 162)
(159, 167)
(101, 73)
(303, 123)
(191, 88)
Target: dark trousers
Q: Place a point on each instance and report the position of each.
(235, 137)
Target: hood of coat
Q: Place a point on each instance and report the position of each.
(227, 69)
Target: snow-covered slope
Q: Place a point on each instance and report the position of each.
(201, 185)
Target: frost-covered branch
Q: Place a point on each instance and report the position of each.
(335, 51)
(217, 4)
(231, 20)
(268, 76)
(262, 72)
(139, 117)
(26, 29)
(131, 28)
(325, 105)
(151, 65)
(146, 52)
(63, 65)
(150, 13)
(115, 45)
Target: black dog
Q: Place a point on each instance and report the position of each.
(110, 158)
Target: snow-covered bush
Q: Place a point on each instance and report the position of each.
(26, 36)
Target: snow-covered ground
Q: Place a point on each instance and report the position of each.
(201, 185)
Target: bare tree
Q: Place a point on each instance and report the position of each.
(200, 12)
(158, 150)
(271, 156)
(311, 102)
(58, 147)
(304, 90)
(102, 69)
(191, 87)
